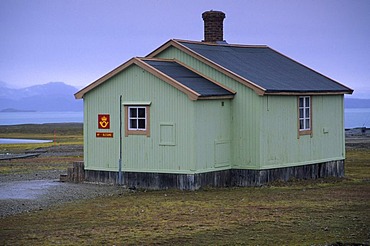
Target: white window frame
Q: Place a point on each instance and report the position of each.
(127, 117)
(137, 118)
(305, 115)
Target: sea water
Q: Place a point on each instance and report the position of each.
(16, 118)
(22, 141)
(356, 117)
(353, 117)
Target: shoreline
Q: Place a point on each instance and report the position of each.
(67, 123)
(357, 132)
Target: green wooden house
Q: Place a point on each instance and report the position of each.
(194, 114)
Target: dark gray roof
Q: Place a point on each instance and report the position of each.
(188, 78)
(267, 68)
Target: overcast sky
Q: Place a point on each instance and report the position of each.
(78, 41)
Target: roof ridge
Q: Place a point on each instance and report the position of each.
(156, 59)
(222, 44)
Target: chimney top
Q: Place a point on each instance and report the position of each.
(213, 26)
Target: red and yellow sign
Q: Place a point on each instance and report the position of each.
(104, 134)
(103, 121)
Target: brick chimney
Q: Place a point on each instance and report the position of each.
(213, 26)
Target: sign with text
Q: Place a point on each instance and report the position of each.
(104, 134)
(103, 121)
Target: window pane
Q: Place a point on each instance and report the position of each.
(141, 124)
(307, 113)
(300, 113)
(133, 112)
(307, 126)
(133, 123)
(307, 99)
(301, 124)
(141, 112)
(301, 102)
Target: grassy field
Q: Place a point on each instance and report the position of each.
(319, 212)
(61, 133)
(67, 135)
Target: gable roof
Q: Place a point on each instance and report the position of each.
(193, 84)
(259, 67)
(203, 86)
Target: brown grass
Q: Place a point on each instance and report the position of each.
(317, 212)
(300, 213)
(33, 165)
(294, 215)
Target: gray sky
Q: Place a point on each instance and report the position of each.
(78, 41)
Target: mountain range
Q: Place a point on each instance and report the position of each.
(50, 97)
(356, 103)
(58, 96)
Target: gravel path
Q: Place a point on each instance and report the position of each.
(24, 193)
(40, 190)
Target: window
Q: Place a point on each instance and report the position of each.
(137, 120)
(304, 114)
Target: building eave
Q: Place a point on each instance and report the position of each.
(193, 95)
(297, 93)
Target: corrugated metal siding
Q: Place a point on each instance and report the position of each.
(264, 129)
(279, 131)
(101, 153)
(328, 126)
(246, 116)
(140, 153)
(213, 133)
(280, 144)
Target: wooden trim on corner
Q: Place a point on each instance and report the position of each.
(148, 121)
(126, 121)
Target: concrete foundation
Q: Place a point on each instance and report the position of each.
(225, 178)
